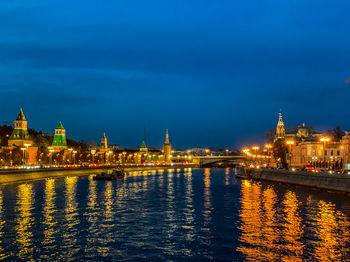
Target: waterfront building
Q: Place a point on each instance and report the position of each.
(20, 139)
(306, 149)
(59, 142)
(167, 147)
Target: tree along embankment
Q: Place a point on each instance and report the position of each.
(320, 180)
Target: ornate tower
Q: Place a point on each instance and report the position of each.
(59, 140)
(166, 147)
(104, 145)
(280, 131)
(143, 147)
(20, 135)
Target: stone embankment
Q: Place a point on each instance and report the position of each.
(16, 176)
(320, 180)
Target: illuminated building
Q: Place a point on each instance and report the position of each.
(20, 139)
(20, 135)
(280, 130)
(167, 147)
(59, 140)
(104, 145)
(143, 147)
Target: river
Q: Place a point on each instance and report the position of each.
(187, 214)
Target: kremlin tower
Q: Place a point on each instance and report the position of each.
(59, 140)
(104, 145)
(20, 139)
(167, 147)
(20, 135)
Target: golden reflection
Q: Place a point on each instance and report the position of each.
(333, 232)
(251, 222)
(49, 209)
(69, 236)
(207, 210)
(227, 176)
(2, 222)
(270, 230)
(293, 230)
(92, 216)
(108, 224)
(25, 221)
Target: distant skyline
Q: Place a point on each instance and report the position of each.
(215, 73)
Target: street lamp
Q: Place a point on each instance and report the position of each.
(255, 148)
(290, 143)
(268, 147)
(74, 152)
(70, 150)
(324, 139)
(23, 159)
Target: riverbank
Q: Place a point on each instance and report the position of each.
(320, 180)
(17, 176)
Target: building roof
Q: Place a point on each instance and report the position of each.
(60, 126)
(19, 134)
(143, 145)
(303, 131)
(21, 116)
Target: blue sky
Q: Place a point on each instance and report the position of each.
(215, 73)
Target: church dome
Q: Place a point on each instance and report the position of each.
(303, 131)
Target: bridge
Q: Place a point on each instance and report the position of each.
(207, 161)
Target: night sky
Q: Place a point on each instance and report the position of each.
(215, 73)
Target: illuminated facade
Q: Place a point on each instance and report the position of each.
(167, 147)
(318, 151)
(20, 135)
(59, 140)
(144, 148)
(20, 139)
(280, 130)
(104, 145)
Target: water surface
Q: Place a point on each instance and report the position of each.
(199, 214)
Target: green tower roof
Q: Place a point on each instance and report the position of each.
(19, 134)
(60, 126)
(143, 144)
(59, 139)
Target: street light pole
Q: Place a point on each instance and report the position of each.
(290, 143)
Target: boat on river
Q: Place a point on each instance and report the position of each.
(116, 174)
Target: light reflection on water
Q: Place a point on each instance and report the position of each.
(177, 214)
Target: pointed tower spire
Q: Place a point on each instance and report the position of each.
(280, 130)
(167, 147)
(21, 116)
(59, 140)
(20, 135)
(167, 137)
(104, 145)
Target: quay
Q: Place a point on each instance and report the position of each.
(318, 180)
(8, 176)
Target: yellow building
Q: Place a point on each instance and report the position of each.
(167, 147)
